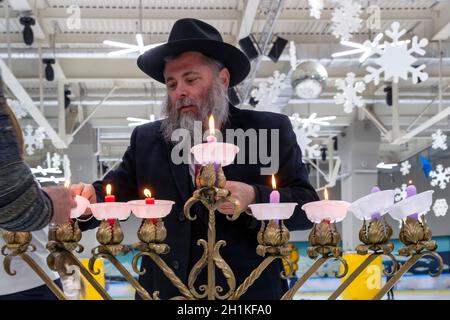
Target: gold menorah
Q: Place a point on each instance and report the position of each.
(273, 238)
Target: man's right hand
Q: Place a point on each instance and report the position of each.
(86, 191)
(62, 200)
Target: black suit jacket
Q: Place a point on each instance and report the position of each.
(147, 163)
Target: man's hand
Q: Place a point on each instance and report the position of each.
(243, 192)
(87, 191)
(63, 200)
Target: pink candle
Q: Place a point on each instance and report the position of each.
(274, 195)
(211, 138)
(411, 190)
(375, 215)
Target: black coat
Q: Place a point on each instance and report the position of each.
(146, 163)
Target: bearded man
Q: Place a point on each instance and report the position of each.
(197, 68)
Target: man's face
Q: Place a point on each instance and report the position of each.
(196, 89)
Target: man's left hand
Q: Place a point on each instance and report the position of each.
(242, 192)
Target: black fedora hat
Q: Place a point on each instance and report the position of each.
(195, 35)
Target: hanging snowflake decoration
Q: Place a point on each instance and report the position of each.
(19, 110)
(440, 207)
(312, 119)
(56, 160)
(439, 140)
(440, 177)
(66, 167)
(395, 59)
(304, 135)
(34, 139)
(350, 89)
(268, 91)
(405, 167)
(400, 193)
(316, 7)
(346, 19)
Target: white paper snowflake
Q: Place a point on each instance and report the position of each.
(304, 135)
(316, 7)
(440, 207)
(56, 160)
(439, 140)
(312, 119)
(268, 91)
(395, 59)
(350, 89)
(45, 171)
(345, 19)
(400, 193)
(405, 167)
(19, 110)
(440, 177)
(66, 167)
(34, 139)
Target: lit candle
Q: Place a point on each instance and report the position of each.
(274, 195)
(148, 197)
(149, 200)
(375, 215)
(110, 198)
(212, 130)
(411, 190)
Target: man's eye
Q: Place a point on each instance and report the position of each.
(171, 86)
(191, 80)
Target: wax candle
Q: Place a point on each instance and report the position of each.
(110, 198)
(411, 190)
(149, 201)
(375, 215)
(325, 195)
(211, 138)
(274, 195)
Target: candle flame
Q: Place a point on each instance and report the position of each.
(410, 182)
(67, 183)
(325, 194)
(147, 193)
(274, 183)
(212, 129)
(108, 189)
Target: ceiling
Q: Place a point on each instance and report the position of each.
(83, 64)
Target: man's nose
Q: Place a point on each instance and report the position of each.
(181, 92)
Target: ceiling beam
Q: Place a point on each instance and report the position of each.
(20, 93)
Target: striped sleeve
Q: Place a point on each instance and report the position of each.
(23, 205)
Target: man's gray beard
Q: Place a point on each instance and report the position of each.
(215, 103)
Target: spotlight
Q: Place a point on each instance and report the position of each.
(277, 48)
(250, 47)
(323, 153)
(27, 32)
(309, 79)
(335, 143)
(67, 92)
(49, 73)
(388, 91)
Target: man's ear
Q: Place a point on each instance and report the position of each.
(224, 76)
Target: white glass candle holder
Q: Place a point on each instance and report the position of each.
(159, 209)
(419, 203)
(82, 205)
(215, 152)
(110, 210)
(331, 210)
(377, 202)
(272, 211)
